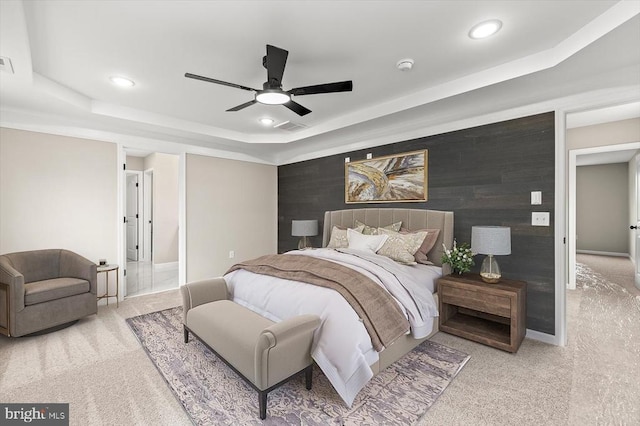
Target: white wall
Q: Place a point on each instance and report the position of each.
(230, 205)
(58, 192)
(165, 206)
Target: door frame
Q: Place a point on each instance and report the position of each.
(147, 214)
(571, 236)
(120, 209)
(140, 206)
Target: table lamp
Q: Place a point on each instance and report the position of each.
(304, 229)
(492, 241)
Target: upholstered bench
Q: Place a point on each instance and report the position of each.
(265, 353)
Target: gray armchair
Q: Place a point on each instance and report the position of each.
(41, 289)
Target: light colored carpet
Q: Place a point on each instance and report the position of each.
(212, 393)
(99, 367)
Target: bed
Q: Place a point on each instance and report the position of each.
(344, 344)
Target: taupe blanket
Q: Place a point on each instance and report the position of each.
(379, 312)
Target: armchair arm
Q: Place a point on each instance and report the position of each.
(282, 347)
(200, 292)
(15, 284)
(76, 266)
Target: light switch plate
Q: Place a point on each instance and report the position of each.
(536, 198)
(369, 156)
(540, 218)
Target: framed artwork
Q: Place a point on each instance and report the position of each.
(393, 178)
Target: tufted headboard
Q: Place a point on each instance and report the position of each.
(412, 219)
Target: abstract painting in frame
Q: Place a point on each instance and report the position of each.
(393, 178)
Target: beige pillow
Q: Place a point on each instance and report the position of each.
(428, 243)
(370, 230)
(401, 247)
(339, 237)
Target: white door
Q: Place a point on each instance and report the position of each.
(132, 217)
(637, 226)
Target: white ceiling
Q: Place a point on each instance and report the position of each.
(63, 53)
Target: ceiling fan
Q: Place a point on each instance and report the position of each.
(272, 93)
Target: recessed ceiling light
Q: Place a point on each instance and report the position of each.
(266, 121)
(485, 29)
(121, 81)
(405, 64)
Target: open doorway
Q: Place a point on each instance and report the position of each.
(595, 146)
(152, 263)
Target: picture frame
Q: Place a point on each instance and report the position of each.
(389, 179)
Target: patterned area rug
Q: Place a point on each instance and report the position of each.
(211, 393)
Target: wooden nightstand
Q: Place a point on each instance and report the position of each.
(492, 314)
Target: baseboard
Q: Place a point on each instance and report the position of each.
(603, 253)
(165, 266)
(542, 337)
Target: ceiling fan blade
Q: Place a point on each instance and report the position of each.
(340, 86)
(276, 60)
(242, 106)
(297, 108)
(213, 80)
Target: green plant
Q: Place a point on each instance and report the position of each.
(460, 258)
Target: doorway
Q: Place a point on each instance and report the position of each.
(152, 261)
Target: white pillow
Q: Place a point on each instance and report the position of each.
(339, 237)
(371, 243)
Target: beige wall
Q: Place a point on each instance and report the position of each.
(231, 205)
(614, 133)
(58, 192)
(135, 163)
(165, 206)
(602, 208)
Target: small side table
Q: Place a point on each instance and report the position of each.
(106, 269)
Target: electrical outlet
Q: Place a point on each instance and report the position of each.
(369, 156)
(347, 159)
(540, 218)
(232, 254)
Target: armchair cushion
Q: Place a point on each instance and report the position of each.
(57, 288)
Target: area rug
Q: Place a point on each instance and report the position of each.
(212, 393)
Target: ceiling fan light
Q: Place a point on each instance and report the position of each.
(485, 29)
(266, 121)
(272, 97)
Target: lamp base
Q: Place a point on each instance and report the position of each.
(302, 244)
(490, 271)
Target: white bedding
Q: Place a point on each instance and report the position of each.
(342, 347)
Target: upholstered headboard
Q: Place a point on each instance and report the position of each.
(412, 219)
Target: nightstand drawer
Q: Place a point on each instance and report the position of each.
(479, 301)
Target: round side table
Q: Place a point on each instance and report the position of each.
(106, 269)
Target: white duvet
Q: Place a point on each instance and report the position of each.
(342, 347)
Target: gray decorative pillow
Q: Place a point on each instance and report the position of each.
(370, 230)
(339, 237)
(401, 247)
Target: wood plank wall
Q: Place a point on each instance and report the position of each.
(484, 174)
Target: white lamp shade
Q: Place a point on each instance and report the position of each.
(495, 240)
(304, 228)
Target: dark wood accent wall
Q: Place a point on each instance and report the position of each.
(484, 174)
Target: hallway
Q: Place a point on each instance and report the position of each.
(143, 278)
